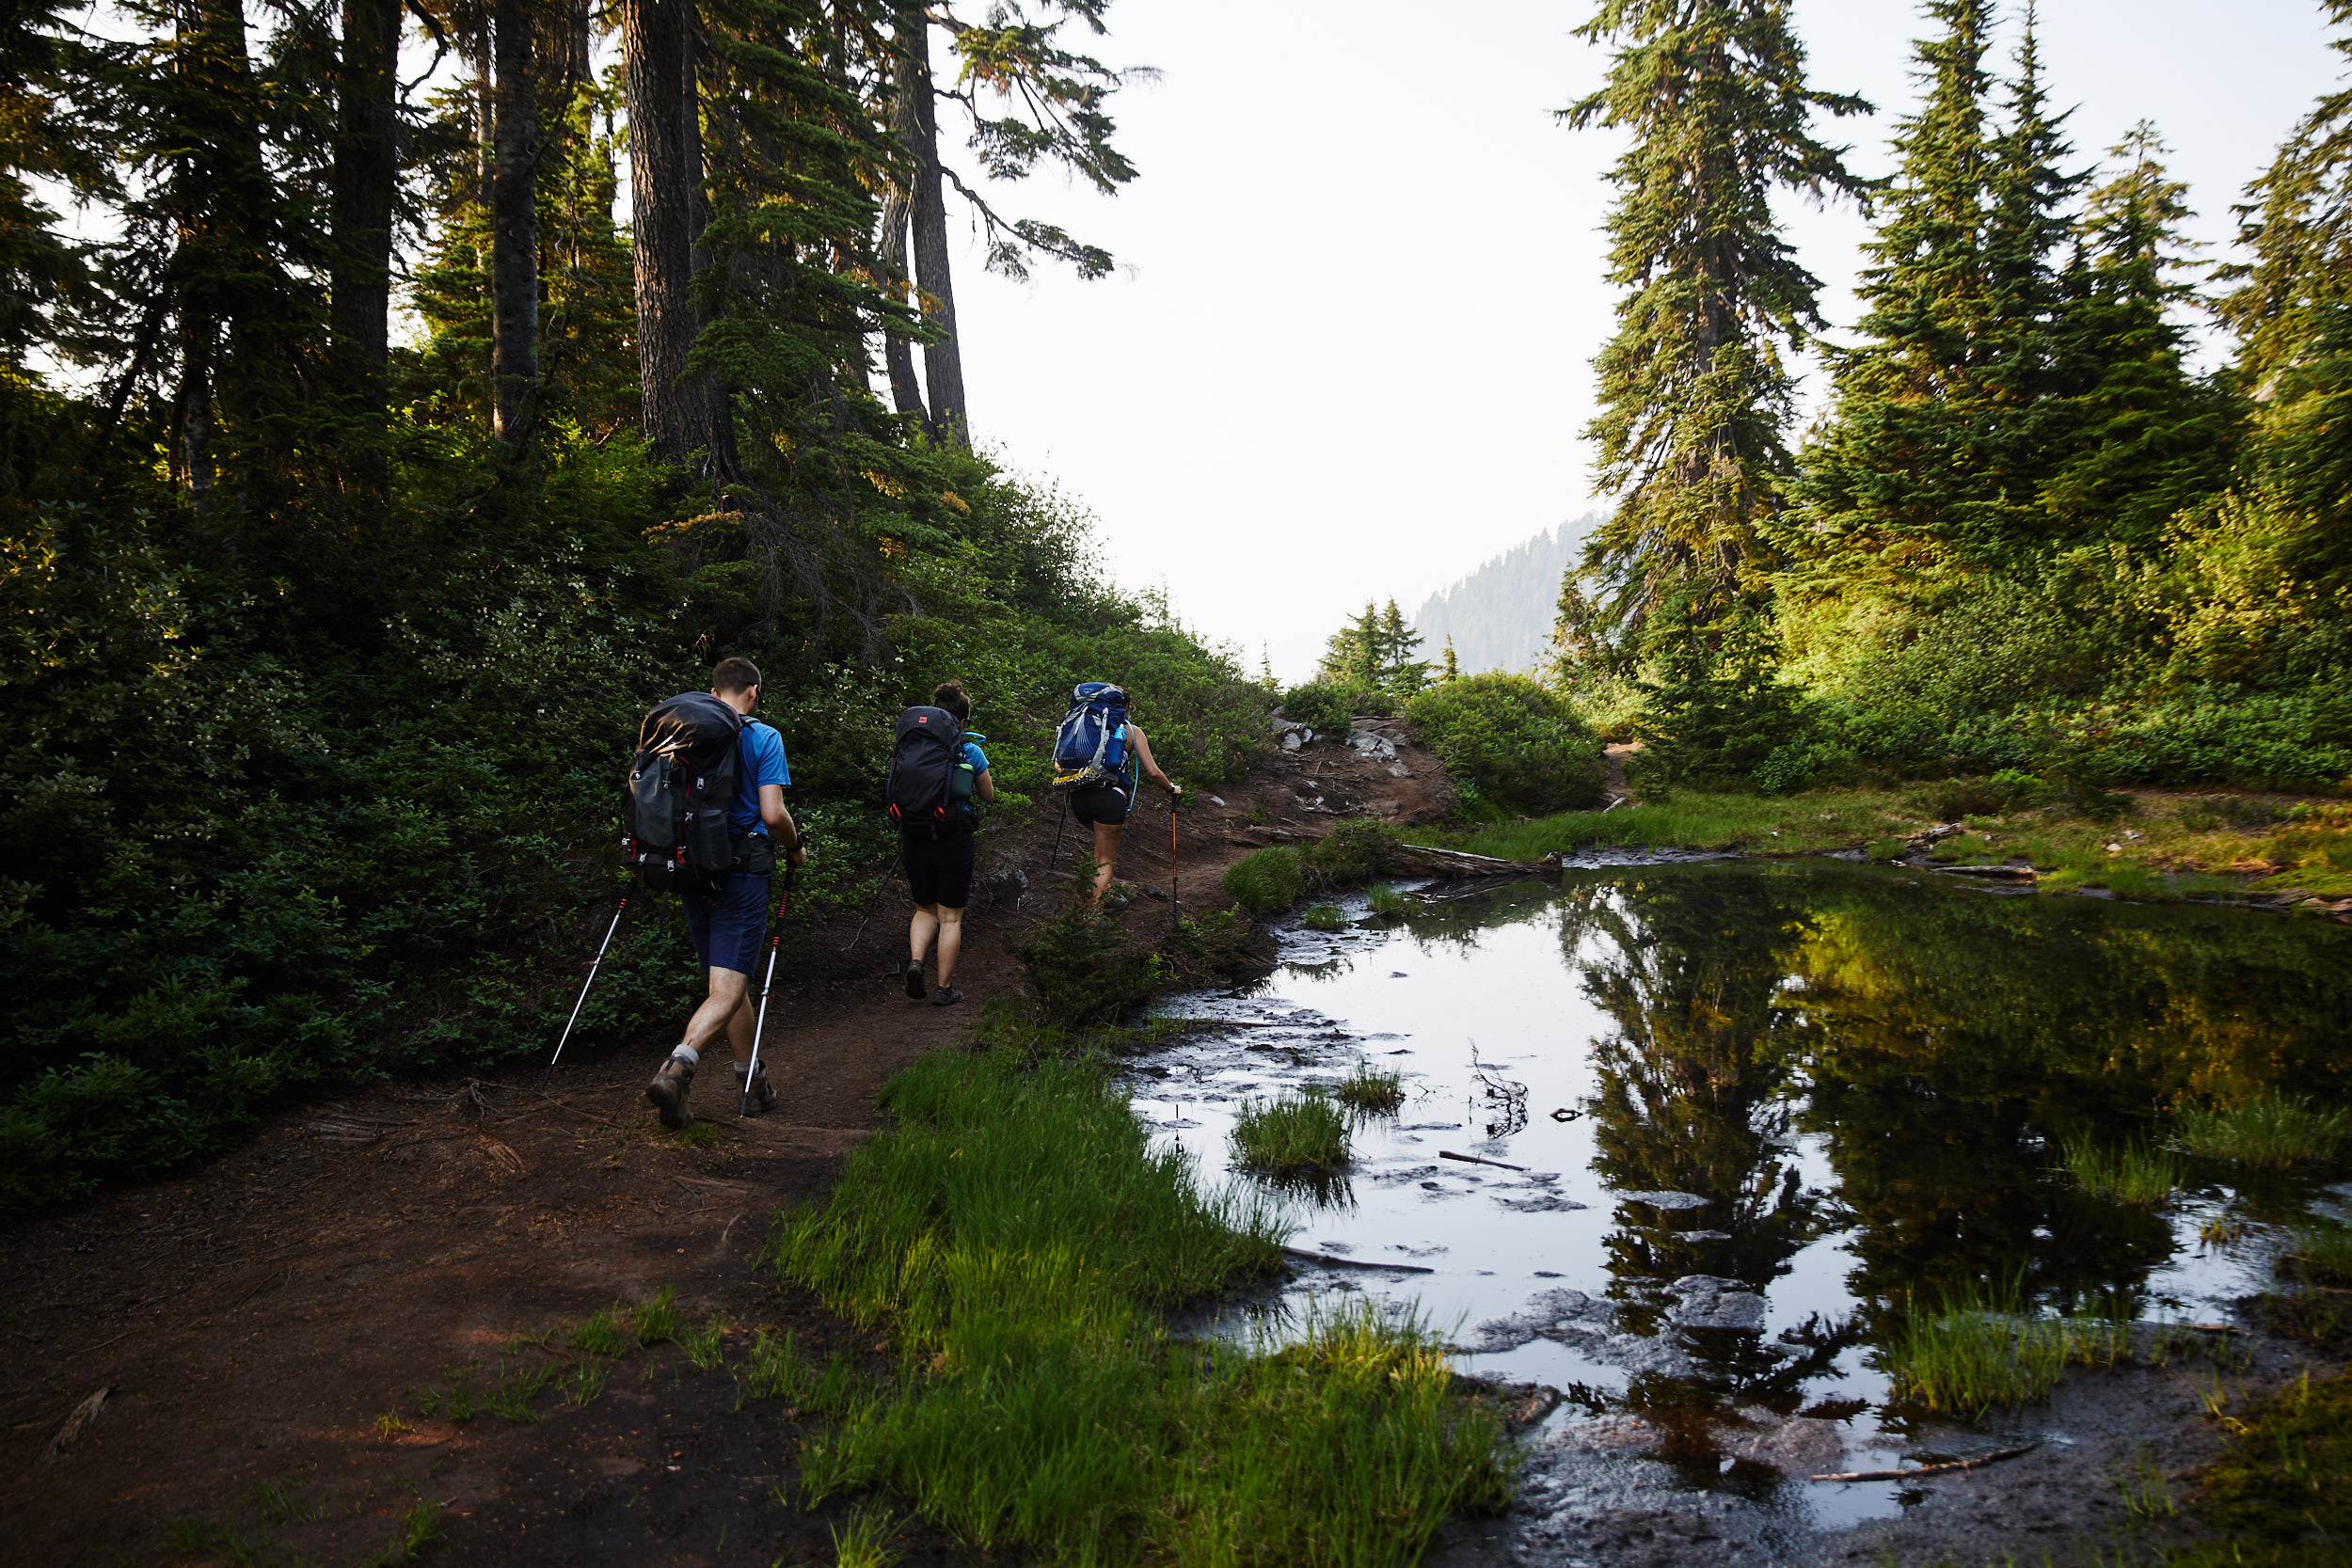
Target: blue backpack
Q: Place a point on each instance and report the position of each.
(1091, 745)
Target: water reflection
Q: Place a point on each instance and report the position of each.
(1808, 1095)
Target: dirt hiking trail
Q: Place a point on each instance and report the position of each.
(225, 1366)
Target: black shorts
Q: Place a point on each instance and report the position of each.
(1103, 805)
(939, 870)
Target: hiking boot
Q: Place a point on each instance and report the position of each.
(1116, 902)
(763, 1095)
(914, 980)
(668, 1092)
(946, 996)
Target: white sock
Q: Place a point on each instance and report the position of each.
(685, 1053)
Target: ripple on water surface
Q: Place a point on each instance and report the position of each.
(1679, 1140)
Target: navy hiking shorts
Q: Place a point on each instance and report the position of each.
(730, 926)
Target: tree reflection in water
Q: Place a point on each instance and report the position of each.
(1940, 1045)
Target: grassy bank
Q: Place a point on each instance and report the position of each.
(1017, 1239)
(2148, 847)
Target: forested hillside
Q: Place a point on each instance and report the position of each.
(325, 648)
(2026, 536)
(1500, 617)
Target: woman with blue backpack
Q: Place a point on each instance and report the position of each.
(937, 771)
(1100, 755)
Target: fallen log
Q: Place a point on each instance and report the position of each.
(1476, 1160)
(1461, 862)
(1945, 1468)
(1352, 1263)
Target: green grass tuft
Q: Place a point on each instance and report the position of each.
(2282, 1492)
(1020, 1238)
(1294, 1134)
(2319, 1250)
(1324, 917)
(1386, 902)
(587, 1381)
(704, 1346)
(1985, 1350)
(2137, 1174)
(2266, 1129)
(660, 1318)
(862, 1542)
(1267, 881)
(1370, 1091)
(601, 1334)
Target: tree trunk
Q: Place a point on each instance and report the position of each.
(684, 414)
(366, 172)
(943, 361)
(906, 392)
(514, 230)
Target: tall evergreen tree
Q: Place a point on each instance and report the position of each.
(1694, 396)
(2292, 309)
(1912, 471)
(1401, 674)
(2144, 438)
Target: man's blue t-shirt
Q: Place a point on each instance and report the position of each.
(758, 760)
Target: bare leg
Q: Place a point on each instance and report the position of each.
(919, 932)
(1106, 861)
(740, 1025)
(728, 988)
(951, 940)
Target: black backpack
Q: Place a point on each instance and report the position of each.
(920, 790)
(674, 809)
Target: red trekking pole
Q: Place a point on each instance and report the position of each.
(759, 1019)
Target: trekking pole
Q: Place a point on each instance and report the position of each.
(759, 1019)
(584, 995)
(1057, 833)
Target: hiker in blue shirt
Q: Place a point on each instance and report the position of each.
(939, 860)
(729, 926)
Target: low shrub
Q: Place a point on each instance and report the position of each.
(1515, 740)
(1357, 848)
(1084, 969)
(1268, 880)
(1323, 705)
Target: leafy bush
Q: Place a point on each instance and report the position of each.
(1321, 706)
(1359, 848)
(1805, 764)
(1512, 739)
(1268, 880)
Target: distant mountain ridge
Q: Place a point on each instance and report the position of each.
(1499, 616)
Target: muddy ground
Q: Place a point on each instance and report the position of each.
(263, 1327)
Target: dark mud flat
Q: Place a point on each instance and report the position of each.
(1760, 1108)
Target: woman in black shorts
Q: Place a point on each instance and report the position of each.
(939, 870)
(1105, 807)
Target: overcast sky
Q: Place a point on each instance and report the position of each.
(1348, 355)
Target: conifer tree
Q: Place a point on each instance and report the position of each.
(2292, 309)
(1908, 475)
(1401, 674)
(1694, 396)
(1452, 670)
(2144, 438)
